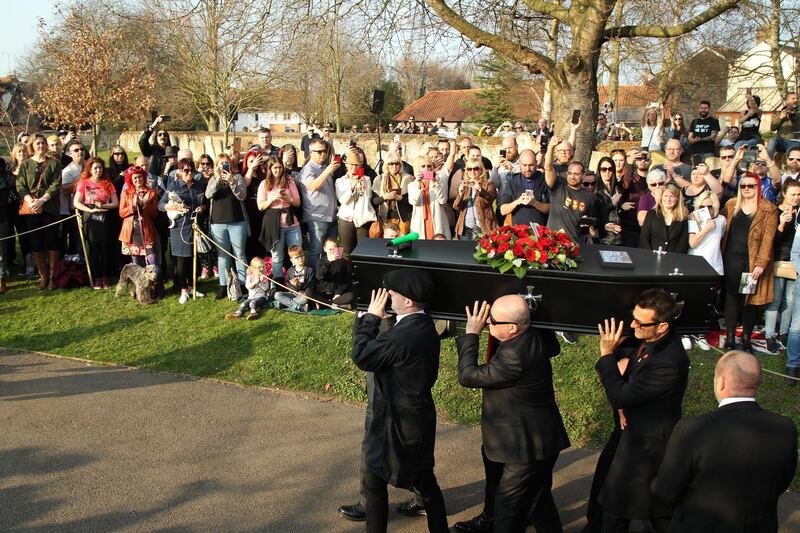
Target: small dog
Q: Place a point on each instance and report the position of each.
(175, 200)
(142, 279)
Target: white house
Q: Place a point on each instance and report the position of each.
(278, 121)
(753, 70)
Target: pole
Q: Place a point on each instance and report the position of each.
(83, 244)
(194, 260)
(379, 164)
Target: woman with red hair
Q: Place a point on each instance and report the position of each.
(747, 248)
(94, 197)
(254, 166)
(138, 209)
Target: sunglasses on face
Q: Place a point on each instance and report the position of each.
(493, 322)
(636, 324)
(474, 169)
(657, 184)
(187, 169)
(747, 186)
(115, 153)
(606, 169)
(588, 184)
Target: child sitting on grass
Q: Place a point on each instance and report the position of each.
(299, 277)
(334, 281)
(257, 289)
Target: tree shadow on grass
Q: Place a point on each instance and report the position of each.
(54, 341)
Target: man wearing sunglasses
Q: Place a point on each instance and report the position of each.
(521, 426)
(644, 384)
(791, 168)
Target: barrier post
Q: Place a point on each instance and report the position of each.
(79, 221)
(194, 260)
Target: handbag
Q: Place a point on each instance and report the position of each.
(201, 243)
(785, 269)
(376, 229)
(24, 208)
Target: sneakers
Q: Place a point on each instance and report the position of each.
(233, 316)
(97, 285)
(105, 283)
(568, 337)
(253, 315)
(215, 270)
(183, 298)
(204, 273)
(702, 344)
(196, 293)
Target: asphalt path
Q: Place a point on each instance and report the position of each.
(86, 448)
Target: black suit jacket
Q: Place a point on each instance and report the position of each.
(655, 233)
(400, 430)
(520, 421)
(724, 471)
(650, 394)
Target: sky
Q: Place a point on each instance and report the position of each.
(20, 28)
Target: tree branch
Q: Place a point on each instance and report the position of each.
(549, 8)
(514, 51)
(671, 31)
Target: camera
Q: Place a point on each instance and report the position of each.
(166, 118)
(750, 155)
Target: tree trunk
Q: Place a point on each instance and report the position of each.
(552, 53)
(775, 47)
(95, 139)
(616, 53)
(577, 89)
(665, 80)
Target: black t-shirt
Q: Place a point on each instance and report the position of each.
(567, 206)
(702, 127)
(226, 208)
(738, 235)
(749, 128)
(784, 240)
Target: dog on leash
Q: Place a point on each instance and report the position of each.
(140, 280)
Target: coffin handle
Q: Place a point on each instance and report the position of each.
(533, 300)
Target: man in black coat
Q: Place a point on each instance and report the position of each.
(400, 428)
(724, 471)
(521, 425)
(645, 390)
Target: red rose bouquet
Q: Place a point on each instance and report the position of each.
(524, 248)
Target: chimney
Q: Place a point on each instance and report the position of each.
(762, 35)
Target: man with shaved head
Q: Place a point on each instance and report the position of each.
(524, 195)
(725, 470)
(521, 425)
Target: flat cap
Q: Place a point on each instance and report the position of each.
(413, 283)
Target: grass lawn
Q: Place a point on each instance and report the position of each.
(304, 353)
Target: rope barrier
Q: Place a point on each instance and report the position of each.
(698, 339)
(40, 228)
(271, 280)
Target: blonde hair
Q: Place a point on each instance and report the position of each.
(19, 153)
(256, 266)
(477, 161)
(679, 211)
(739, 200)
(707, 195)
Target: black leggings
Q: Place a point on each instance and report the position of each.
(183, 272)
(735, 265)
(102, 258)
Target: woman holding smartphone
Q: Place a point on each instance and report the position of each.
(747, 249)
(390, 194)
(706, 228)
(354, 191)
(278, 197)
(428, 196)
(473, 203)
(781, 306)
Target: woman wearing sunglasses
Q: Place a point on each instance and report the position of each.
(155, 149)
(473, 203)
(138, 208)
(656, 180)
(665, 227)
(747, 248)
(427, 195)
(609, 194)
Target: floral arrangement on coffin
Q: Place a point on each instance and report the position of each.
(524, 248)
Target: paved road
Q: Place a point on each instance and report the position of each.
(100, 448)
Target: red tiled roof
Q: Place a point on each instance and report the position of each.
(525, 100)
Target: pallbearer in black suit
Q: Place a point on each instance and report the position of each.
(645, 390)
(401, 422)
(521, 426)
(724, 471)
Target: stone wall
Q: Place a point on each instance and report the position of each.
(414, 145)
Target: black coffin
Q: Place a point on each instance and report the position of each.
(575, 300)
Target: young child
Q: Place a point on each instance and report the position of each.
(334, 281)
(301, 278)
(257, 290)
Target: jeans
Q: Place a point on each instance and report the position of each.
(290, 300)
(749, 142)
(232, 236)
(289, 237)
(779, 144)
(252, 304)
(793, 350)
(317, 233)
(781, 306)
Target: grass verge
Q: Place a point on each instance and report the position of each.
(304, 353)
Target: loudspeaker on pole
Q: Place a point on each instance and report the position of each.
(377, 102)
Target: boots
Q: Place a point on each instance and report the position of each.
(53, 258)
(41, 265)
(746, 345)
(793, 372)
(730, 339)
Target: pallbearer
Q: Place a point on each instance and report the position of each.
(401, 419)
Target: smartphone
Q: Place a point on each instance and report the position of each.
(226, 167)
(359, 172)
(353, 143)
(503, 154)
(337, 159)
(748, 91)
(529, 193)
(576, 116)
(750, 155)
(166, 118)
(237, 144)
(427, 175)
